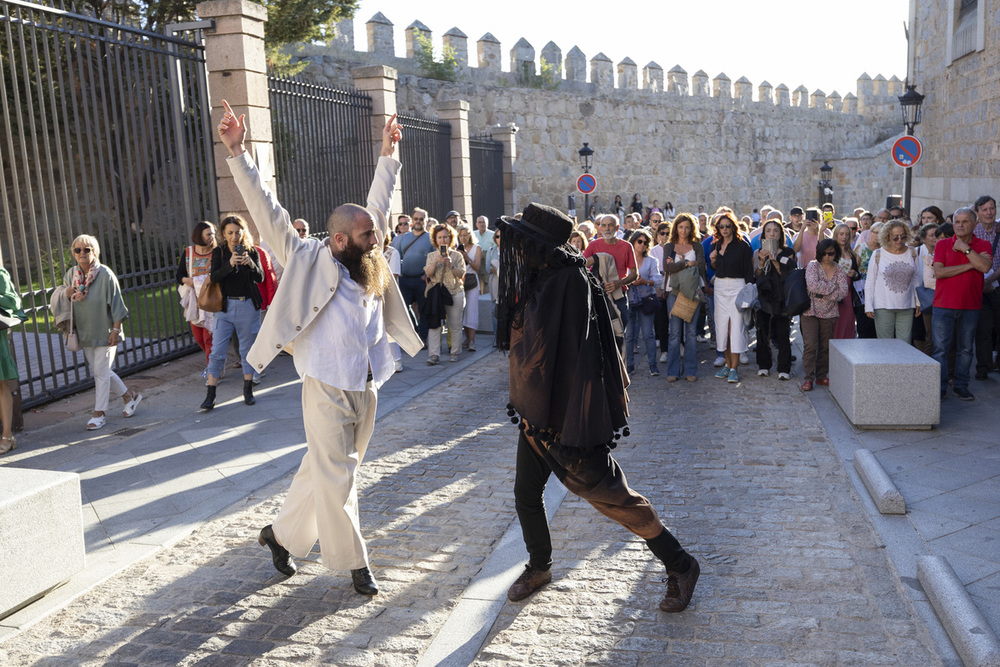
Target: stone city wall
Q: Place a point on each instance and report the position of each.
(670, 137)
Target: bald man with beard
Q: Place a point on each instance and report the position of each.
(339, 306)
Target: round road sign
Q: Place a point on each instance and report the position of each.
(586, 184)
(906, 151)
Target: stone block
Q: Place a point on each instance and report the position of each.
(884, 493)
(885, 384)
(969, 631)
(41, 533)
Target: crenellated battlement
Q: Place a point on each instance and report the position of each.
(574, 72)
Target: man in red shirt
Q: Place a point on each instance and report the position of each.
(959, 267)
(624, 256)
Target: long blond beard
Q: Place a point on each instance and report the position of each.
(374, 274)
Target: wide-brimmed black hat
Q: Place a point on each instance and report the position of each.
(542, 223)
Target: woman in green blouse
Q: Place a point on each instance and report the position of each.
(98, 312)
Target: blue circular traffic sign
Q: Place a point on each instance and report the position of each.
(586, 184)
(906, 151)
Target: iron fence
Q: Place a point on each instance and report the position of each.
(425, 152)
(486, 158)
(323, 149)
(105, 131)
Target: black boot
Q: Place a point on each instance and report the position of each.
(209, 401)
(248, 392)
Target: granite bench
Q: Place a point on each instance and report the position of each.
(41, 533)
(885, 384)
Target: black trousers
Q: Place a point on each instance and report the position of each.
(988, 325)
(776, 328)
(598, 480)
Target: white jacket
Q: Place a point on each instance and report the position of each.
(310, 278)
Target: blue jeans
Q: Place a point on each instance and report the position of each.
(639, 320)
(948, 324)
(243, 319)
(690, 342)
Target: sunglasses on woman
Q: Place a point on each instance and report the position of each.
(640, 241)
(85, 251)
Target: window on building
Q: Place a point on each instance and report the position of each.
(966, 23)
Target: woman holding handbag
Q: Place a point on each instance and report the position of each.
(851, 264)
(192, 274)
(10, 315)
(237, 270)
(445, 267)
(827, 284)
(97, 311)
(642, 302)
(473, 256)
(685, 271)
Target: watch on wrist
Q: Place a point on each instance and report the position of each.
(967, 251)
(117, 331)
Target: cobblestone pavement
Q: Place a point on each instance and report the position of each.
(792, 570)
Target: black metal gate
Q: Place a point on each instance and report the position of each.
(486, 157)
(323, 150)
(425, 152)
(105, 131)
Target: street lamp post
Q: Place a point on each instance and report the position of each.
(825, 183)
(586, 161)
(909, 104)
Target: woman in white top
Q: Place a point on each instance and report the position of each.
(893, 276)
(473, 256)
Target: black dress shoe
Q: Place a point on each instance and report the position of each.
(279, 555)
(364, 581)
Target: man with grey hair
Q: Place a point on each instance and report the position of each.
(609, 243)
(960, 263)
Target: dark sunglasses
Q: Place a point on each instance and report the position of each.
(830, 253)
(641, 241)
(725, 227)
(77, 251)
(663, 233)
(417, 220)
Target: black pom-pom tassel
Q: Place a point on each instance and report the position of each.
(513, 419)
(618, 436)
(521, 426)
(626, 432)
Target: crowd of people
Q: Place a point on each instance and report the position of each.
(678, 279)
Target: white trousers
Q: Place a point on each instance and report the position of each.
(453, 315)
(101, 359)
(322, 502)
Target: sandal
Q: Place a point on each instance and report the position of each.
(96, 423)
(7, 444)
(131, 405)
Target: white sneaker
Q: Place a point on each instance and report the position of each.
(663, 358)
(398, 366)
(784, 376)
(719, 361)
(701, 339)
(763, 372)
(743, 358)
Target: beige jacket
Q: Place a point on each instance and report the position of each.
(311, 276)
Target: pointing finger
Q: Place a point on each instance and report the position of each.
(229, 109)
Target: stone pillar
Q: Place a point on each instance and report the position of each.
(677, 80)
(743, 90)
(652, 77)
(457, 41)
(722, 86)
(602, 72)
(781, 97)
(505, 135)
(456, 113)
(699, 84)
(380, 40)
(522, 60)
(488, 48)
(817, 100)
(412, 43)
(765, 93)
(628, 74)
(850, 103)
(800, 97)
(552, 58)
(576, 65)
(379, 83)
(237, 73)
(865, 92)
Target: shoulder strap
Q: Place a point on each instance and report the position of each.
(402, 253)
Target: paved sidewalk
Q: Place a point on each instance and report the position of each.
(793, 571)
(150, 480)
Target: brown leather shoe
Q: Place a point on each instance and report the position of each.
(529, 582)
(680, 588)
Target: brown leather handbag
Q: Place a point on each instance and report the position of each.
(210, 297)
